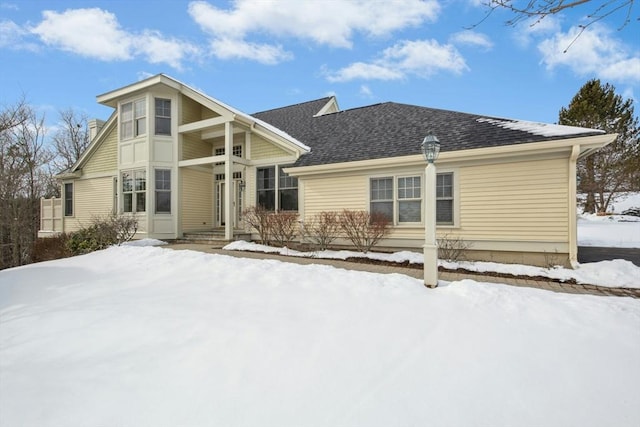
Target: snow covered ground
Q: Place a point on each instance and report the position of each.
(139, 335)
(619, 231)
(146, 336)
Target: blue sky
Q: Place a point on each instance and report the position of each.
(257, 55)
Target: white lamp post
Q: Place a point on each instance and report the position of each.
(430, 149)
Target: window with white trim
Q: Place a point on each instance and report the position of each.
(444, 198)
(409, 199)
(272, 192)
(399, 198)
(133, 119)
(134, 191)
(68, 199)
(287, 191)
(381, 197)
(163, 190)
(163, 116)
(403, 206)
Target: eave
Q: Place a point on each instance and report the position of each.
(587, 145)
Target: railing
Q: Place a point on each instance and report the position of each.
(50, 216)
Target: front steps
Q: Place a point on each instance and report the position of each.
(215, 238)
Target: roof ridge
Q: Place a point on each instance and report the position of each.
(326, 98)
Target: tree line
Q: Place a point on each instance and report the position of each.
(31, 157)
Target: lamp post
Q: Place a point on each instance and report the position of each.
(430, 150)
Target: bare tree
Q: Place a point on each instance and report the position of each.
(536, 10)
(71, 139)
(23, 179)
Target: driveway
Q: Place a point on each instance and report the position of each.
(595, 254)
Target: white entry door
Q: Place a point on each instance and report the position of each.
(221, 219)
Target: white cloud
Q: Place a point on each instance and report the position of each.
(9, 6)
(12, 36)
(526, 31)
(96, 33)
(421, 58)
(594, 52)
(331, 23)
(237, 49)
(361, 70)
(472, 38)
(365, 91)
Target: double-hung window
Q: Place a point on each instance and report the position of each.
(68, 199)
(266, 188)
(163, 190)
(409, 199)
(281, 192)
(287, 192)
(382, 197)
(163, 116)
(399, 199)
(444, 198)
(134, 191)
(133, 119)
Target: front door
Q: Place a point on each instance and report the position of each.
(236, 212)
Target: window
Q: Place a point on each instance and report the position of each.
(287, 192)
(400, 198)
(266, 188)
(163, 191)
(133, 119)
(163, 116)
(382, 197)
(68, 199)
(444, 198)
(236, 150)
(134, 191)
(281, 192)
(409, 199)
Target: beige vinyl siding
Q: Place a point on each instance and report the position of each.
(526, 201)
(193, 147)
(262, 149)
(92, 198)
(508, 202)
(105, 158)
(192, 111)
(335, 194)
(197, 200)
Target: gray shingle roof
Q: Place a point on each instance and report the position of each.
(392, 130)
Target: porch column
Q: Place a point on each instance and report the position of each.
(228, 181)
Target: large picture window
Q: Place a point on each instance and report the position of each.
(163, 190)
(163, 116)
(68, 199)
(133, 119)
(134, 191)
(281, 192)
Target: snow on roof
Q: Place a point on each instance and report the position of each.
(541, 129)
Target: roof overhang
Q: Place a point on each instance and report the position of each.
(586, 145)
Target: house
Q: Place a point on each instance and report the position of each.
(181, 161)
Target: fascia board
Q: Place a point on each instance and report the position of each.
(109, 124)
(111, 98)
